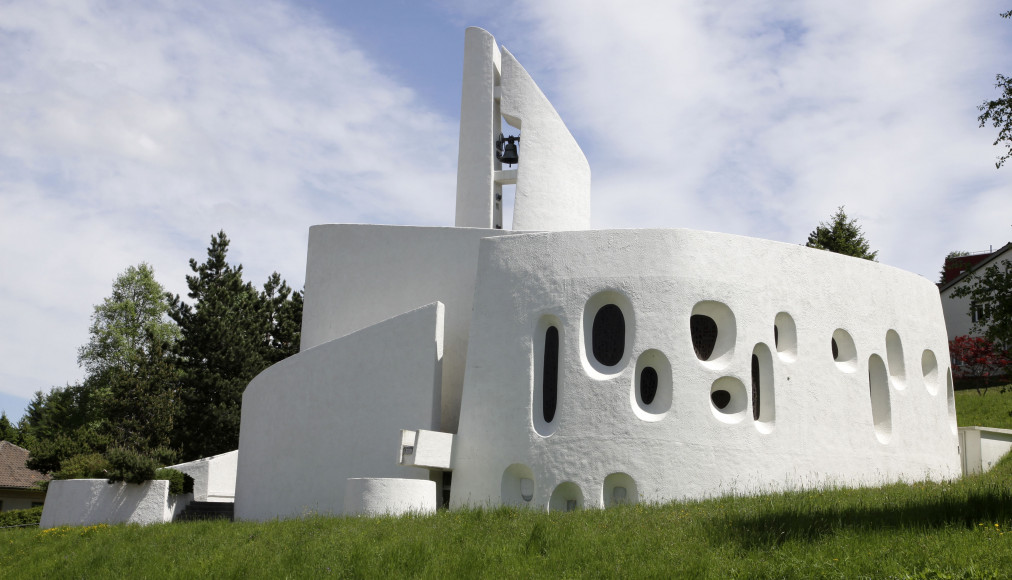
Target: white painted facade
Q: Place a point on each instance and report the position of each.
(86, 502)
(958, 319)
(823, 368)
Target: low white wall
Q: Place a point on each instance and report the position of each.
(213, 477)
(82, 502)
(389, 496)
(981, 447)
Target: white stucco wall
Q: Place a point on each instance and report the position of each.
(957, 314)
(213, 477)
(818, 424)
(335, 412)
(85, 502)
(553, 176)
(358, 275)
(480, 125)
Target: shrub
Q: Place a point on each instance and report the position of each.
(21, 517)
(130, 466)
(179, 482)
(85, 466)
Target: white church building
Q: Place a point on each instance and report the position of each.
(558, 367)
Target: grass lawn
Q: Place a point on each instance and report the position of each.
(954, 529)
(993, 409)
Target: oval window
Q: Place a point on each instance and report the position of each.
(608, 335)
(648, 385)
(550, 374)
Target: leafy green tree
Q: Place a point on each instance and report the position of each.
(998, 112)
(230, 333)
(841, 236)
(990, 294)
(144, 402)
(127, 324)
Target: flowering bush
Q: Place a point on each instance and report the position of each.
(977, 358)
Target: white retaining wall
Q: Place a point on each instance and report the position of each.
(84, 502)
(982, 447)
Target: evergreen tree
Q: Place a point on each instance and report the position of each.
(8, 432)
(842, 236)
(230, 333)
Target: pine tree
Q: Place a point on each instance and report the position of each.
(8, 432)
(841, 236)
(230, 332)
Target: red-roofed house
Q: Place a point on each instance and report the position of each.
(18, 483)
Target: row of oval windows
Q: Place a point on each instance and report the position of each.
(518, 489)
(607, 346)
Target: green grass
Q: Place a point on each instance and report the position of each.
(959, 529)
(993, 409)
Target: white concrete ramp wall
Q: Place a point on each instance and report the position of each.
(336, 412)
(213, 477)
(85, 502)
(981, 447)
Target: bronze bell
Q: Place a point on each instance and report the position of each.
(506, 149)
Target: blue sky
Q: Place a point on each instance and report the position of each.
(132, 131)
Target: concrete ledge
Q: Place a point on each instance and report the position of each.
(213, 477)
(981, 447)
(82, 502)
(389, 496)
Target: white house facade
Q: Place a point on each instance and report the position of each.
(558, 367)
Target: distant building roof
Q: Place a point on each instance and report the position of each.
(978, 261)
(13, 473)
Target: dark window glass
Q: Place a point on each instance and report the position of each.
(704, 335)
(836, 350)
(755, 387)
(720, 398)
(608, 335)
(550, 375)
(648, 385)
(776, 336)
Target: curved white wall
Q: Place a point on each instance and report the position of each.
(389, 496)
(335, 412)
(830, 421)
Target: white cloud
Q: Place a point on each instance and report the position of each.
(761, 118)
(133, 131)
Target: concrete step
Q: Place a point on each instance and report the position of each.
(207, 510)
